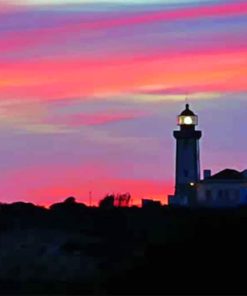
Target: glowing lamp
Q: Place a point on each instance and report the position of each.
(187, 117)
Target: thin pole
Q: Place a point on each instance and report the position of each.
(187, 99)
(90, 198)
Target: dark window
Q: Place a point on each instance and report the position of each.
(233, 195)
(236, 195)
(226, 195)
(208, 195)
(220, 194)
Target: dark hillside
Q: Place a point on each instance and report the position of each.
(73, 249)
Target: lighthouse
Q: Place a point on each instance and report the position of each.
(187, 157)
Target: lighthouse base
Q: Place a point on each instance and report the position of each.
(178, 200)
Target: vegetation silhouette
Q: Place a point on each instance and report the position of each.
(74, 249)
(107, 202)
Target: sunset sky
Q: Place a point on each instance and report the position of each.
(90, 91)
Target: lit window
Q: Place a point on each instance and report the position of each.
(187, 120)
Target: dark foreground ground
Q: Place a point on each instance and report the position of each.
(72, 249)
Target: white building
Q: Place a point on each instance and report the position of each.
(227, 188)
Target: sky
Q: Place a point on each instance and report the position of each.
(90, 91)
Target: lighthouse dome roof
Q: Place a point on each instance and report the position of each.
(187, 111)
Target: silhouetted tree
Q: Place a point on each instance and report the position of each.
(107, 202)
(68, 214)
(70, 200)
(69, 203)
(122, 200)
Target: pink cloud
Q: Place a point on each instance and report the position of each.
(203, 88)
(63, 78)
(96, 119)
(236, 8)
(6, 8)
(17, 41)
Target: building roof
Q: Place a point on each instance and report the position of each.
(228, 174)
(187, 111)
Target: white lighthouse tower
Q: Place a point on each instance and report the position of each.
(187, 158)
